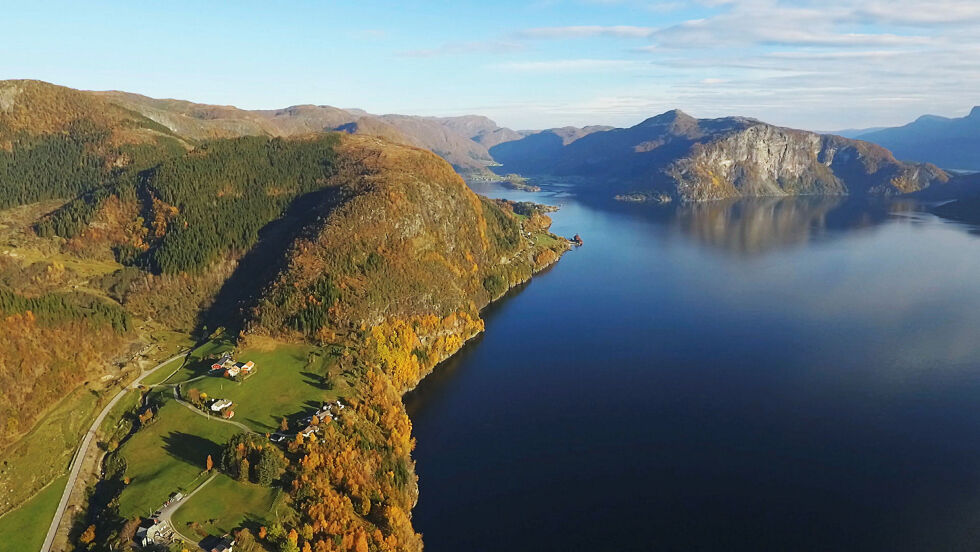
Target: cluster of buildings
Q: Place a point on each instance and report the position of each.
(230, 368)
(327, 411)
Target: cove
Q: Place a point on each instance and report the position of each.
(778, 374)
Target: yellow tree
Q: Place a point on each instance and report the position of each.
(88, 536)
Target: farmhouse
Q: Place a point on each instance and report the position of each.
(310, 431)
(153, 532)
(220, 404)
(222, 364)
(228, 367)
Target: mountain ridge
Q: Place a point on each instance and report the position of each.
(952, 143)
(665, 156)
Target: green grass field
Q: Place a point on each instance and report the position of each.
(25, 527)
(285, 384)
(168, 456)
(44, 454)
(230, 504)
(543, 240)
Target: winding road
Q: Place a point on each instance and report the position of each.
(166, 513)
(77, 460)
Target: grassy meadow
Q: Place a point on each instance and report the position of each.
(225, 504)
(169, 455)
(25, 527)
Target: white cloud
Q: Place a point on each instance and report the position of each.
(770, 22)
(584, 31)
(918, 12)
(807, 63)
(572, 65)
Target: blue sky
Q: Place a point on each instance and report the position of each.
(823, 65)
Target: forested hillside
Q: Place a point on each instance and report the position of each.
(373, 252)
(48, 343)
(398, 272)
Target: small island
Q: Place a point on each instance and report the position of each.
(518, 182)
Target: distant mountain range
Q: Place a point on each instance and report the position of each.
(463, 141)
(672, 156)
(951, 143)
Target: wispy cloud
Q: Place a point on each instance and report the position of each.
(572, 65)
(919, 13)
(808, 63)
(769, 22)
(584, 31)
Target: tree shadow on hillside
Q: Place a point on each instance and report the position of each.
(270, 426)
(191, 448)
(257, 269)
(315, 380)
(253, 523)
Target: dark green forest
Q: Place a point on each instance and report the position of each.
(226, 191)
(199, 205)
(52, 165)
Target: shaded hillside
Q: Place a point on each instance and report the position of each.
(674, 156)
(951, 143)
(535, 152)
(961, 210)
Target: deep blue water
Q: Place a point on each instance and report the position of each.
(769, 375)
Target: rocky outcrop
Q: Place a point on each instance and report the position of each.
(763, 161)
(674, 156)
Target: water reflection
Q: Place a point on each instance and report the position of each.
(755, 226)
(751, 227)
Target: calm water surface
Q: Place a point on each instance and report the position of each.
(768, 375)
